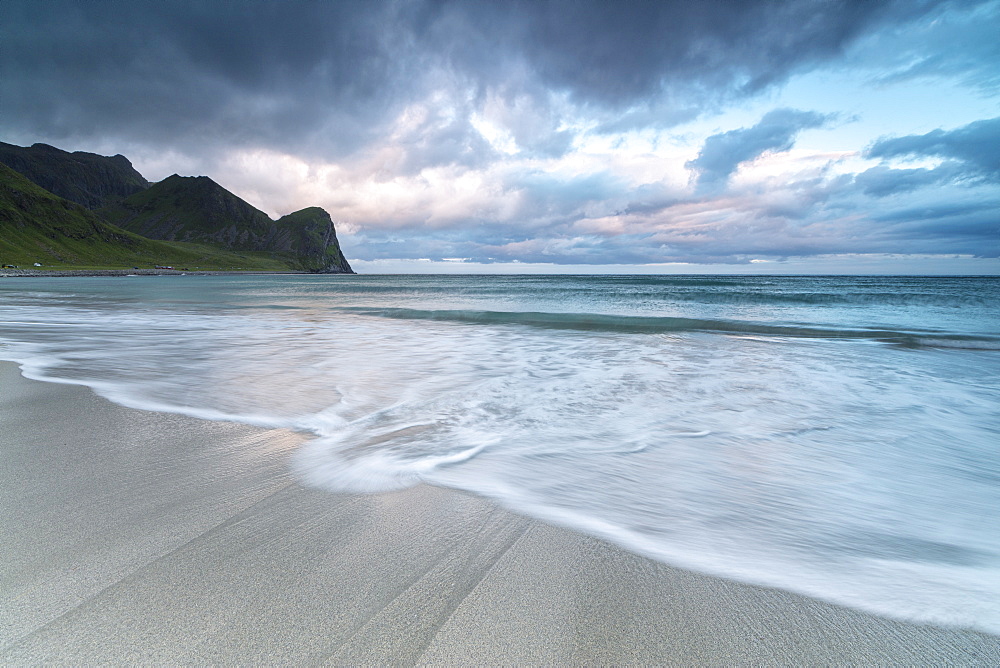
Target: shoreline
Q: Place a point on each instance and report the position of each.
(139, 537)
(55, 273)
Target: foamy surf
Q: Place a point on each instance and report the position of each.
(833, 437)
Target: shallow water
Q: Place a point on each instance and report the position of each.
(838, 437)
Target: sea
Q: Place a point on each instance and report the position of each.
(837, 437)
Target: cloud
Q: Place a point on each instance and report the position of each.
(615, 56)
(883, 181)
(976, 146)
(776, 131)
(541, 131)
(966, 225)
(798, 218)
(207, 75)
(951, 45)
(328, 78)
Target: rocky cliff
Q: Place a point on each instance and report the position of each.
(314, 238)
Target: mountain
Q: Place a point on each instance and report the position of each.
(88, 179)
(197, 209)
(314, 237)
(188, 208)
(38, 226)
(177, 209)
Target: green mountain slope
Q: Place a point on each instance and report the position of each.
(38, 226)
(85, 178)
(188, 208)
(197, 209)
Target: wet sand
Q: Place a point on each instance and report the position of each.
(130, 536)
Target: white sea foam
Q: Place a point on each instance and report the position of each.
(850, 469)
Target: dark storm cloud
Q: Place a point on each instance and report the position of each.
(246, 74)
(976, 146)
(776, 131)
(617, 53)
(327, 77)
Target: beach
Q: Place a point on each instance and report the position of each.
(135, 536)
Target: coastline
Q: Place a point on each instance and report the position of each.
(133, 536)
(42, 273)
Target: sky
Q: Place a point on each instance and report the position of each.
(812, 136)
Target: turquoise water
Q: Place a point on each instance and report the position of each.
(838, 437)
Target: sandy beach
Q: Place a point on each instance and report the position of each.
(137, 537)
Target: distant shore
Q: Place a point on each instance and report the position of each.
(140, 537)
(36, 273)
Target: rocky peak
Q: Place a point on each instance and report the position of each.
(314, 237)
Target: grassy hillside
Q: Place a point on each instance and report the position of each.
(194, 208)
(37, 226)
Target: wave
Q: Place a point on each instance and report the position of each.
(803, 464)
(790, 292)
(632, 324)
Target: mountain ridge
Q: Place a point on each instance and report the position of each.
(197, 209)
(37, 226)
(186, 209)
(88, 179)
